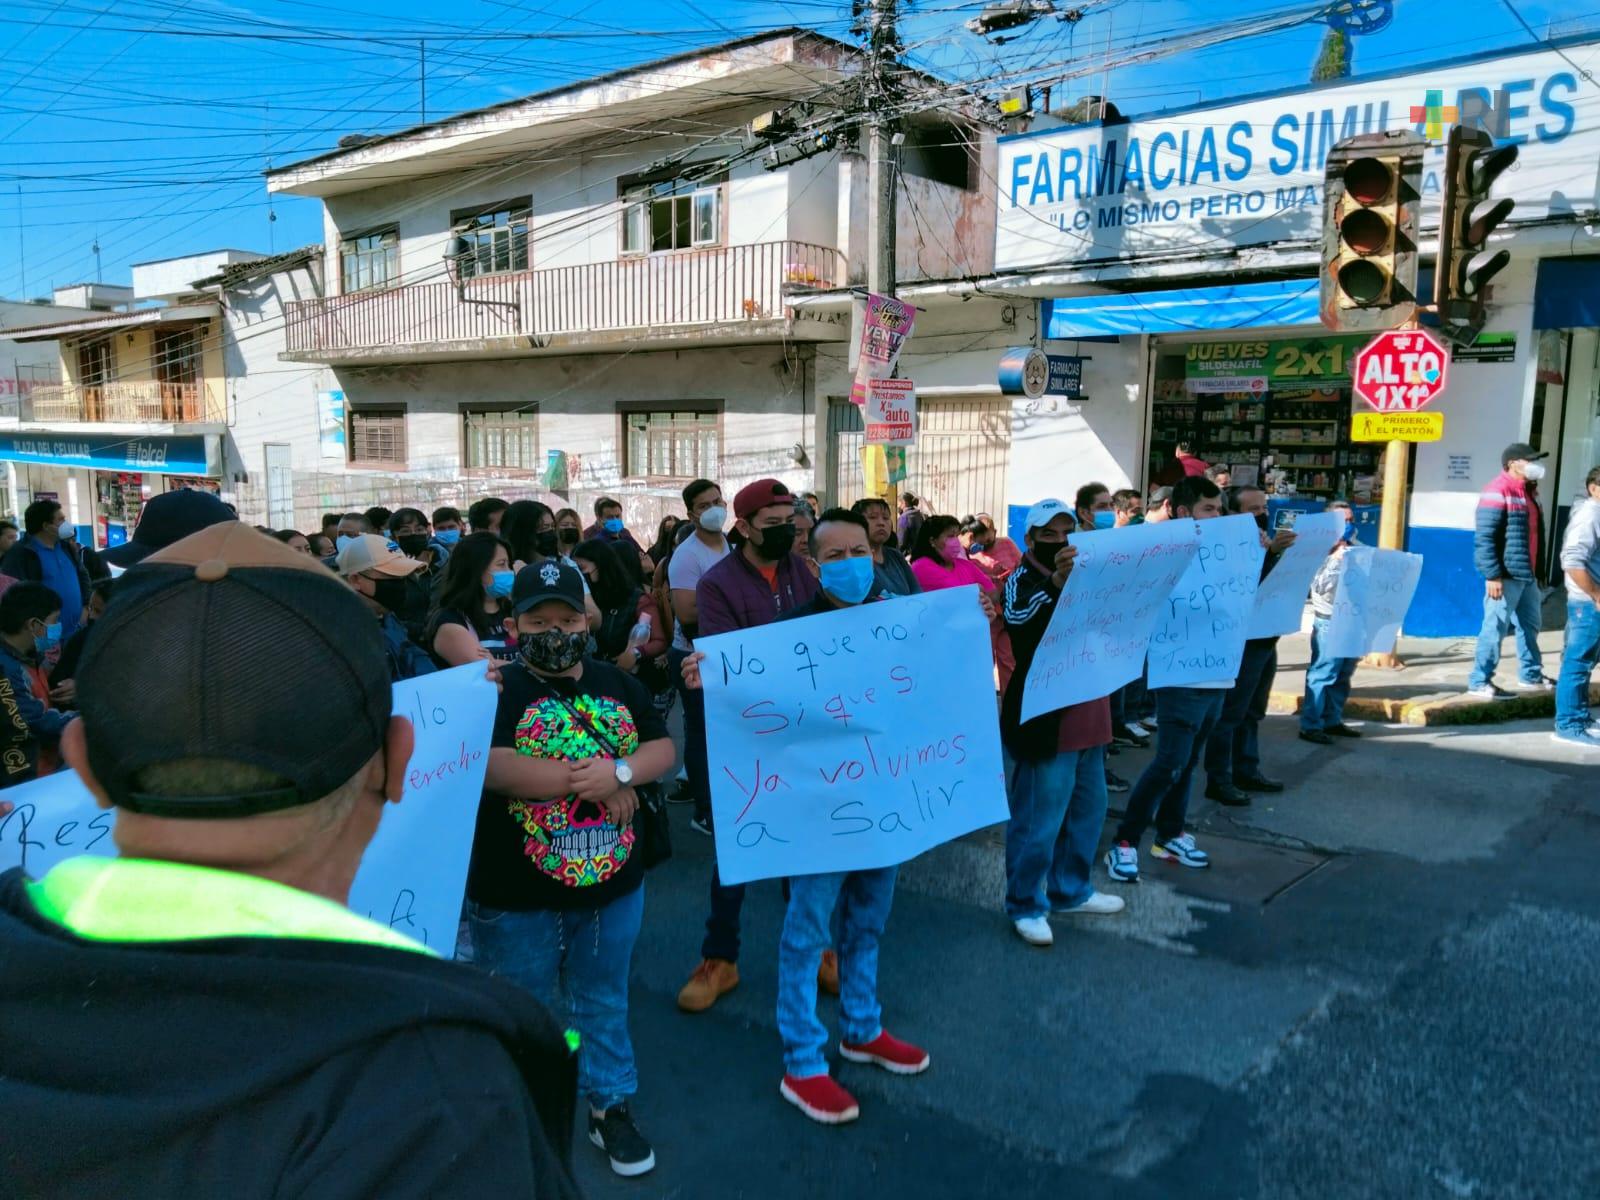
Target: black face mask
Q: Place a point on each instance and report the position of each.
(390, 593)
(547, 543)
(776, 542)
(552, 650)
(412, 544)
(1261, 521)
(1046, 552)
(569, 536)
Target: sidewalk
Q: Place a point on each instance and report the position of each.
(1431, 688)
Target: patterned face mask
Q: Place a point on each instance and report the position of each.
(552, 650)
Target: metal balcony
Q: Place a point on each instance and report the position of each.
(144, 401)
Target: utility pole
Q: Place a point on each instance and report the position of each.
(882, 49)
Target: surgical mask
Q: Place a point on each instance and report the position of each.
(612, 525)
(390, 593)
(547, 543)
(714, 519)
(500, 587)
(343, 540)
(553, 650)
(50, 640)
(953, 549)
(1136, 519)
(1106, 519)
(1533, 472)
(776, 542)
(1349, 531)
(848, 579)
(412, 544)
(70, 531)
(447, 537)
(569, 535)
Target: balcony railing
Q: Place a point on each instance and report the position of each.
(134, 401)
(727, 287)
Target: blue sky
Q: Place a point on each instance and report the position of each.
(120, 126)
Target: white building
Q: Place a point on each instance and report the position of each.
(625, 311)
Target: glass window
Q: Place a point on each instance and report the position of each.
(497, 238)
(670, 214)
(707, 228)
(378, 436)
(503, 439)
(370, 260)
(671, 444)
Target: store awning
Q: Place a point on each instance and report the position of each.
(1567, 294)
(1239, 306)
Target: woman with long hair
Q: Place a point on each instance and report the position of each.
(630, 633)
(665, 540)
(529, 528)
(468, 623)
(939, 560)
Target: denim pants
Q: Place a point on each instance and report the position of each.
(694, 736)
(863, 899)
(1327, 683)
(576, 961)
(1517, 608)
(1185, 717)
(1234, 747)
(1058, 808)
(1578, 660)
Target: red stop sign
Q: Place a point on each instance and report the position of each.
(1400, 370)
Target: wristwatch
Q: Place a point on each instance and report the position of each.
(624, 772)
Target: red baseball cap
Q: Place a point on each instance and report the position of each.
(763, 493)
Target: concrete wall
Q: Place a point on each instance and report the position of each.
(175, 276)
(24, 363)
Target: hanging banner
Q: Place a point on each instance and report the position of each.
(891, 415)
(885, 326)
(853, 739)
(1200, 637)
(1100, 629)
(414, 874)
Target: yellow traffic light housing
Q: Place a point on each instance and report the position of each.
(1371, 192)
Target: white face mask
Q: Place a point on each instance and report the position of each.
(1533, 472)
(714, 518)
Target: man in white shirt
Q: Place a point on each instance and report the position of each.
(692, 558)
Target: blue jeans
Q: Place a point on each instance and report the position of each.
(1327, 683)
(589, 950)
(1518, 607)
(1058, 807)
(1185, 717)
(1577, 664)
(1234, 747)
(694, 736)
(863, 899)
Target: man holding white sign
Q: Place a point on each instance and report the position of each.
(222, 994)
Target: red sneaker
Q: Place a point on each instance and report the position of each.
(820, 1098)
(888, 1052)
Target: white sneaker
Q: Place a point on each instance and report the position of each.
(1181, 849)
(1488, 691)
(1543, 684)
(1139, 728)
(1098, 904)
(1035, 931)
(1122, 863)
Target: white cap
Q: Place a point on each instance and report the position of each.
(1041, 514)
(369, 552)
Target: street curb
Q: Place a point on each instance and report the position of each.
(1437, 710)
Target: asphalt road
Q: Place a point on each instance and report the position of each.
(1385, 987)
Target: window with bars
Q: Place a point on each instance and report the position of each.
(671, 444)
(497, 237)
(370, 260)
(503, 439)
(670, 214)
(378, 436)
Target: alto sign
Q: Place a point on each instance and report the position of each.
(1400, 370)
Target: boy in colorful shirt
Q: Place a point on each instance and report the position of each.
(556, 884)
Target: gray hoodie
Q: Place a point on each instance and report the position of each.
(1581, 546)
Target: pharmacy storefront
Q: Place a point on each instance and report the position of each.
(103, 480)
(1195, 237)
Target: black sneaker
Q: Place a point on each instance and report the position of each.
(1115, 782)
(702, 825)
(616, 1134)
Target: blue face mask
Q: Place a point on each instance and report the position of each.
(50, 640)
(848, 579)
(447, 537)
(1106, 519)
(1349, 531)
(500, 588)
(612, 525)
(343, 540)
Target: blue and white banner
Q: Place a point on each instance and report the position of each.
(1251, 173)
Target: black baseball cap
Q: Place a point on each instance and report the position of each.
(168, 518)
(1523, 451)
(229, 646)
(547, 580)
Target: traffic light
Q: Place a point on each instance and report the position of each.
(1471, 165)
(1371, 191)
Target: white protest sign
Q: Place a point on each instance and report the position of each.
(1201, 636)
(1375, 590)
(853, 739)
(1281, 599)
(1100, 629)
(413, 875)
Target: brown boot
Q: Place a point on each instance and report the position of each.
(712, 979)
(828, 973)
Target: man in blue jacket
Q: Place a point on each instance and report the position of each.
(30, 627)
(39, 557)
(1505, 549)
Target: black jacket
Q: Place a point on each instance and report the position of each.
(258, 1068)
